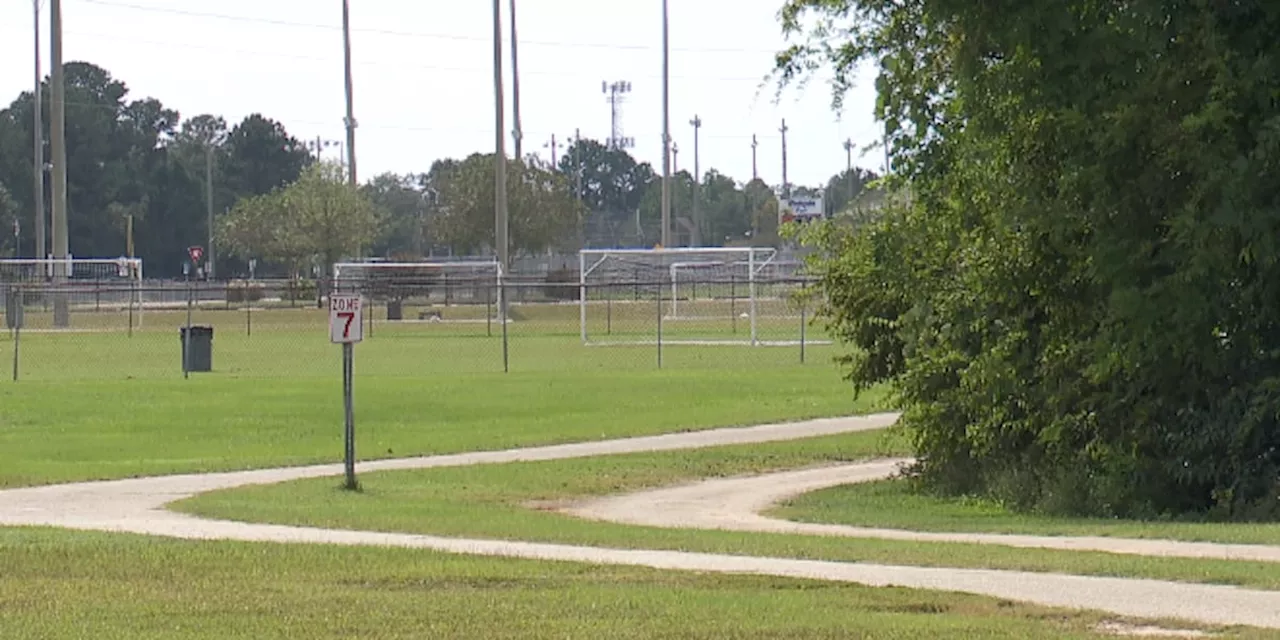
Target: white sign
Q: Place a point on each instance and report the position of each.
(803, 207)
(346, 322)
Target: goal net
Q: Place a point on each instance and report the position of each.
(87, 285)
(688, 295)
(455, 291)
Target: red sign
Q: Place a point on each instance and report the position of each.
(196, 253)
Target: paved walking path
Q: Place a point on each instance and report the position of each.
(735, 504)
(137, 506)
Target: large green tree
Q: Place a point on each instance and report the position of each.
(614, 185)
(313, 222)
(1078, 303)
(542, 211)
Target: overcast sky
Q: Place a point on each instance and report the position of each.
(424, 75)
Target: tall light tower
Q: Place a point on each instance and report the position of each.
(755, 173)
(696, 122)
(517, 134)
(615, 93)
(58, 142)
(848, 165)
(350, 120)
(37, 160)
(786, 186)
(500, 241)
(666, 129)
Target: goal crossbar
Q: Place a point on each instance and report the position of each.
(668, 263)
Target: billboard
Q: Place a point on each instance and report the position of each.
(801, 208)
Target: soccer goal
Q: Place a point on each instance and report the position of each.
(454, 291)
(88, 285)
(738, 295)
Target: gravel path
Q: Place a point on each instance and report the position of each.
(735, 504)
(137, 506)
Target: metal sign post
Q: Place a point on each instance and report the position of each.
(195, 254)
(346, 327)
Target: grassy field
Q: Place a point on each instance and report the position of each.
(892, 504)
(64, 585)
(97, 403)
(105, 404)
(293, 343)
(508, 501)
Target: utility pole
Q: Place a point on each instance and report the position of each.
(517, 134)
(786, 187)
(208, 196)
(501, 242)
(697, 184)
(755, 173)
(552, 144)
(577, 162)
(887, 164)
(666, 129)
(500, 151)
(58, 140)
(42, 243)
(675, 171)
(848, 165)
(350, 120)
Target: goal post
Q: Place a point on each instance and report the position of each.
(88, 284)
(706, 292)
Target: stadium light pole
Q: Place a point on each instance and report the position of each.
(58, 140)
(500, 180)
(37, 161)
(666, 129)
(517, 134)
(350, 120)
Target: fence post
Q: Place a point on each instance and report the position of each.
(803, 308)
(659, 305)
(17, 342)
(733, 302)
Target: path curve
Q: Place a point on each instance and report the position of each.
(735, 504)
(137, 506)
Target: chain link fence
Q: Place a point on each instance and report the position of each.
(417, 323)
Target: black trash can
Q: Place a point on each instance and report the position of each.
(395, 310)
(198, 353)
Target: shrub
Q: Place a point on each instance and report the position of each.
(241, 291)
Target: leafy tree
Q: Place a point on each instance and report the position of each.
(1078, 303)
(262, 156)
(542, 210)
(402, 202)
(316, 221)
(844, 188)
(613, 187)
(8, 215)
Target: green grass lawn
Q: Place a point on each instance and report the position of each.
(506, 501)
(70, 585)
(893, 504)
(52, 432)
(106, 405)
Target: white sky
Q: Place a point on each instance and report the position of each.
(424, 75)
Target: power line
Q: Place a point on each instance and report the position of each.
(409, 34)
(380, 63)
(412, 128)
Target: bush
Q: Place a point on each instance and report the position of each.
(241, 291)
(562, 284)
(301, 289)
